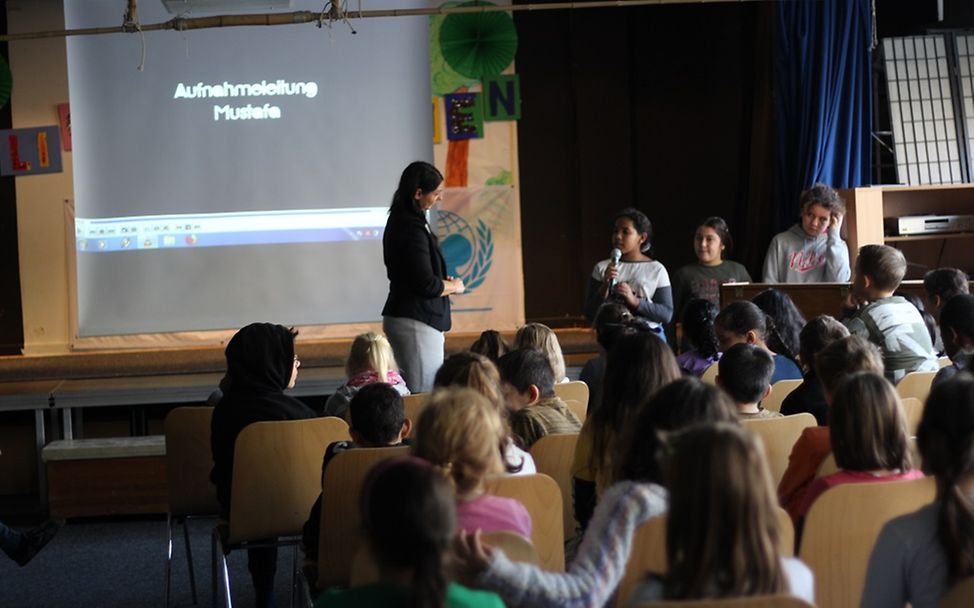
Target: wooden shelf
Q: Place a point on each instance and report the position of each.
(929, 237)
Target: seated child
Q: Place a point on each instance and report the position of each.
(459, 431)
(490, 344)
(832, 364)
(888, 321)
(868, 435)
(479, 373)
(409, 521)
(919, 556)
(941, 285)
(722, 536)
(957, 329)
(529, 391)
(634, 495)
(743, 322)
(809, 397)
(377, 420)
(745, 373)
(609, 322)
(698, 333)
(541, 338)
(370, 360)
(787, 321)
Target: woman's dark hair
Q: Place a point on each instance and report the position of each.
(946, 441)
(698, 326)
(926, 316)
(409, 517)
(419, 175)
(720, 227)
(783, 334)
(642, 225)
(637, 366)
(677, 405)
(491, 344)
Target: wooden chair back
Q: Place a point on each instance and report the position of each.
(541, 497)
(913, 408)
(553, 455)
(778, 436)
(960, 595)
(709, 375)
(580, 409)
(515, 547)
(276, 475)
(762, 601)
(576, 390)
(915, 384)
(414, 405)
(944, 362)
(648, 552)
(779, 390)
(189, 460)
(841, 529)
(341, 517)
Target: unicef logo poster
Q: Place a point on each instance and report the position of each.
(476, 228)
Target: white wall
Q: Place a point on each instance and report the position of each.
(40, 82)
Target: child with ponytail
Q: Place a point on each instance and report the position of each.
(370, 360)
(409, 521)
(743, 322)
(918, 557)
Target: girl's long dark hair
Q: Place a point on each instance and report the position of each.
(946, 441)
(698, 326)
(409, 516)
(419, 175)
(637, 365)
(787, 321)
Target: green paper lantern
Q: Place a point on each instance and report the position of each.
(478, 45)
(6, 82)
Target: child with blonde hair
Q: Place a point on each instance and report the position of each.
(540, 337)
(459, 431)
(370, 360)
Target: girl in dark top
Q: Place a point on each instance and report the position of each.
(698, 332)
(261, 365)
(417, 311)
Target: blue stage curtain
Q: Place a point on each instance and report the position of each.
(822, 98)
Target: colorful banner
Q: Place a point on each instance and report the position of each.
(477, 228)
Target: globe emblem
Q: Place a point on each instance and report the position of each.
(457, 241)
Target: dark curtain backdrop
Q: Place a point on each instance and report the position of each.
(822, 98)
(11, 316)
(664, 108)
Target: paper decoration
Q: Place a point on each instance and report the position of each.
(437, 119)
(64, 118)
(464, 116)
(478, 44)
(502, 98)
(30, 151)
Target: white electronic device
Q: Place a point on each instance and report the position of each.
(177, 7)
(929, 224)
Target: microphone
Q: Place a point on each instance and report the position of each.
(614, 256)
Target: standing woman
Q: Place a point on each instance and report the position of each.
(417, 311)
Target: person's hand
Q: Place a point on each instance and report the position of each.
(611, 272)
(625, 290)
(472, 555)
(835, 221)
(458, 286)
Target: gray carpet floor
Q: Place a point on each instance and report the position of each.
(121, 564)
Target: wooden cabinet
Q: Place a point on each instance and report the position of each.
(868, 207)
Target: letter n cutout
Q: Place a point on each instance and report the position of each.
(503, 95)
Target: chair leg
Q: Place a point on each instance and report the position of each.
(189, 559)
(168, 557)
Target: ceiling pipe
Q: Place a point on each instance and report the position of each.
(182, 24)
